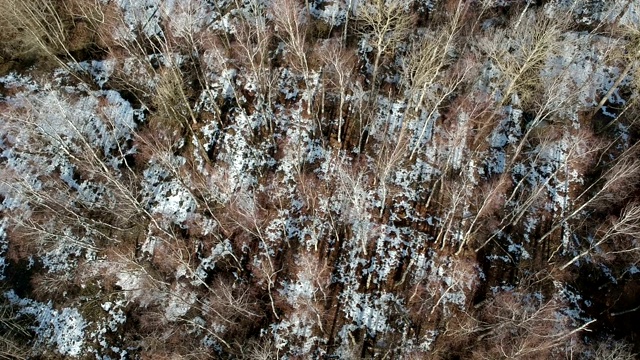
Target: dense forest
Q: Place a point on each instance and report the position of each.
(320, 179)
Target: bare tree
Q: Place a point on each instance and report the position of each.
(290, 24)
(613, 349)
(631, 56)
(259, 350)
(516, 326)
(491, 198)
(37, 25)
(384, 23)
(622, 174)
(450, 86)
(12, 330)
(352, 186)
(290, 20)
(49, 122)
(339, 67)
(628, 225)
(167, 92)
(533, 37)
(254, 36)
(428, 57)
